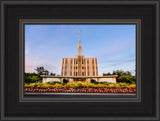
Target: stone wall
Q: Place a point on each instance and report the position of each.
(70, 79)
(45, 80)
(113, 80)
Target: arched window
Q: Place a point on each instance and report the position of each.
(65, 81)
(92, 80)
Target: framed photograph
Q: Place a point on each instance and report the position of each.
(80, 77)
(80, 60)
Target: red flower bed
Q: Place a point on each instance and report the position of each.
(82, 90)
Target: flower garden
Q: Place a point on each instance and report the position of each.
(80, 87)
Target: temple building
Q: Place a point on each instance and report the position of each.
(79, 66)
(79, 69)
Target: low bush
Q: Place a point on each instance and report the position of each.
(54, 82)
(80, 85)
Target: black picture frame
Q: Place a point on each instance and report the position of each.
(13, 108)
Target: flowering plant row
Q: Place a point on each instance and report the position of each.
(81, 90)
(79, 85)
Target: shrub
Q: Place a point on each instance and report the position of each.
(127, 79)
(80, 85)
(32, 78)
(58, 86)
(54, 82)
(96, 82)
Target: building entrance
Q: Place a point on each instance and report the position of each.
(79, 79)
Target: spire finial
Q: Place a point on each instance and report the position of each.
(79, 46)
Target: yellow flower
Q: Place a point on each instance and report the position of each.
(57, 86)
(29, 85)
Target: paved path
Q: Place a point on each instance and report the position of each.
(80, 94)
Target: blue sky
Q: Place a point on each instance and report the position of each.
(114, 46)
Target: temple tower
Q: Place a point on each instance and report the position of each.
(79, 48)
(79, 66)
(79, 59)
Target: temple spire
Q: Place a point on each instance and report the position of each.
(79, 37)
(79, 46)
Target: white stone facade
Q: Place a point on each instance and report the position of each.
(110, 78)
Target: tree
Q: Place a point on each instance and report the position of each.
(123, 76)
(35, 78)
(27, 79)
(121, 73)
(46, 72)
(106, 74)
(128, 73)
(32, 78)
(52, 74)
(42, 71)
(127, 79)
(118, 72)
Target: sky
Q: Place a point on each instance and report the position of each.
(114, 46)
